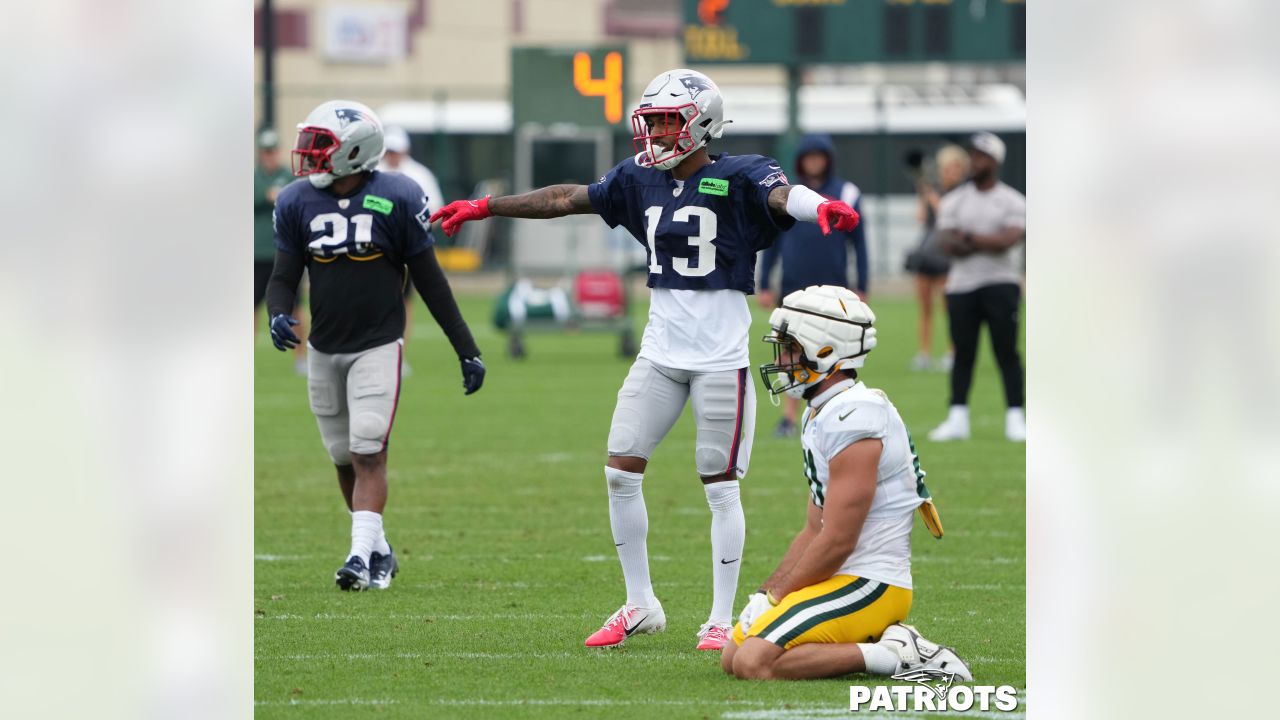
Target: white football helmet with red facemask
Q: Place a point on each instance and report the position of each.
(697, 102)
(339, 138)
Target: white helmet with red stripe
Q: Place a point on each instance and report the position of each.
(695, 99)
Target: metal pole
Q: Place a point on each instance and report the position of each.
(791, 138)
(268, 65)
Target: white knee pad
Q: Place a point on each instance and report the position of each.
(368, 432)
(712, 459)
(624, 434)
(339, 452)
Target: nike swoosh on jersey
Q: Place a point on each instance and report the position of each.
(847, 414)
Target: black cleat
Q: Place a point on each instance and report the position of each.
(353, 575)
(382, 568)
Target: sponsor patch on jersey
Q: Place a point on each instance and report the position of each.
(713, 186)
(378, 204)
(775, 178)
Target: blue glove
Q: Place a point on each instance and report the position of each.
(472, 374)
(282, 333)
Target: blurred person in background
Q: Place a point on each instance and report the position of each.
(269, 177)
(979, 224)
(808, 256)
(928, 262)
(358, 232)
(397, 159)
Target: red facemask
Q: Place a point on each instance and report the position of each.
(312, 151)
(642, 137)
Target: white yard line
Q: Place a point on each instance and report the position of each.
(427, 617)
(339, 701)
(596, 702)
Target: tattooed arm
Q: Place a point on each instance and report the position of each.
(778, 200)
(548, 202)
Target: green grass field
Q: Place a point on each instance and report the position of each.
(498, 514)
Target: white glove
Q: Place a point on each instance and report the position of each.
(757, 605)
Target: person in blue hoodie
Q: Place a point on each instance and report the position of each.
(809, 257)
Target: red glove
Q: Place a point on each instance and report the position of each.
(460, 211)
(846, 217)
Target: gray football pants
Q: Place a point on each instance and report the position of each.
(354, 398)
(652, 398)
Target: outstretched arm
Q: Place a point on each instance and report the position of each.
(801, 203)
(778, 200)
(548, 202)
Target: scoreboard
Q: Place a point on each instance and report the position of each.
(582, 86)
(854, 31)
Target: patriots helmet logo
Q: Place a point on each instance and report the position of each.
(695, 85)
(939, 681)
(346, 116)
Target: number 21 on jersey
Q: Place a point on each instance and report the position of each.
(704, 240)
(335, 242)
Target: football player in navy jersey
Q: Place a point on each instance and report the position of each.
(702, 218)
(357, 231)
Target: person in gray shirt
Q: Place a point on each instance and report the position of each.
(980, 223)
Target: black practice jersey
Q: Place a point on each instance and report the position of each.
(356, 247)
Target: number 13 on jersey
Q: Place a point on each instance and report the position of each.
(704, 240)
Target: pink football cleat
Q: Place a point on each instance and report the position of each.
(713, 637)
(628, 621)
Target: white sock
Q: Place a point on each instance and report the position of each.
(366, 526)
(879, 659)
(380, 545)
(959, 413)
(728, 535)
(630, 522)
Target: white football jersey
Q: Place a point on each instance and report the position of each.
(847, 413)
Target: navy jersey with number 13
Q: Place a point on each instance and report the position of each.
(704, 235)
